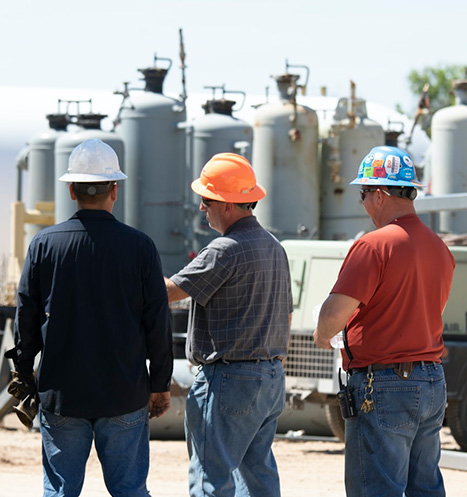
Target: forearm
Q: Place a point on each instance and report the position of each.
(174, 292)
(27, 334)
(333, 317)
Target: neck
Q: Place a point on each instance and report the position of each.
(235, 215)
(398, 208)
(101, 206)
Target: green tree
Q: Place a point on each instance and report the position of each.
(440, 79)
(432, 86)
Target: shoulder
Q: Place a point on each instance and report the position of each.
(248, 230)
(132, 233)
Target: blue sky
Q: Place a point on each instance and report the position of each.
(100, 43)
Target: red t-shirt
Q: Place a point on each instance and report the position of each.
(402, 275)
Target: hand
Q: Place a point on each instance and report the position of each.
(22, 385)
(320, 342)
(159, 404)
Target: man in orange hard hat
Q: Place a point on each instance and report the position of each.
(238, 335)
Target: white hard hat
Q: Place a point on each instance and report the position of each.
(93, 161)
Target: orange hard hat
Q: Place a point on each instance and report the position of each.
(229, 178)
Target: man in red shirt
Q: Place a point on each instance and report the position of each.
(390, 295)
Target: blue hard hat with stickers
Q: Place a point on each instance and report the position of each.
(390, 166)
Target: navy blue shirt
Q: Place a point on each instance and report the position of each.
(92, 298)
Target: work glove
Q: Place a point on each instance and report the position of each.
(22, 385)
(23, 388)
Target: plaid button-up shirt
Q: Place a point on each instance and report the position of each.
(241, 291)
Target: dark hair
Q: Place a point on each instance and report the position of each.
(92, 193)
(247, 206)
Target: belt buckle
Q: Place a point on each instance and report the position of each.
(404, 370)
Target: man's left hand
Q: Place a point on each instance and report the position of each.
(159, 404)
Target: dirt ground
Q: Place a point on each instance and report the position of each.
(306, 467)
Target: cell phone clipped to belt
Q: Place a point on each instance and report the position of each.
(346, 402)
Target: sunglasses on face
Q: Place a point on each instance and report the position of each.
(363, 192)
(207, 202)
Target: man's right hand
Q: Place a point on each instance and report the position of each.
(159, 404)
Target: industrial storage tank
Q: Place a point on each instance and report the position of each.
(89, 128)
(216, 132)
(41, 168)
(156, 203)
(285, 158)
(449, 157)
(350, 138)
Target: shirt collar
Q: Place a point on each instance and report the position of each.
(92, 214)
(244, 222)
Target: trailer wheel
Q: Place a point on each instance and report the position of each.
(457, 419)
(334, 418)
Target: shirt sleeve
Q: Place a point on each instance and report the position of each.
(289, 284)
(156, 323)
(27, 326)
(360, 273)
(205, 274)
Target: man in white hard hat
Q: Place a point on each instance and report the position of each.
(242, 302)
(92, 299)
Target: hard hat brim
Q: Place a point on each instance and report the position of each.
(92, 178)
(386, 182)
(257, 193)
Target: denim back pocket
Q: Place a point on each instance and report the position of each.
(239, 394)
(397, 406)
(133, 418)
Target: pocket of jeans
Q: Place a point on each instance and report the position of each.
(239, 394)
(442, 411)
(397, 407)
(53, 420)
(133, 418)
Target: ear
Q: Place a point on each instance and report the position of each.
(72, 193)
(113, 192)
(380, 196)
(229, 207)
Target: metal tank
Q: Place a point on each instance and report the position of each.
(449, 157)
(285, 157)
(215, 132)
(350, 137)
(150, 124)
(89, 128)
(41, 168)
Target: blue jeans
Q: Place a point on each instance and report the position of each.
(396, 447)
(230, 423)
(122, 445)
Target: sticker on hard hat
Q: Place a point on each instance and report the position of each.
(378, 163)
(369, 158)
(406, 173)
(408, 161)
(393, 164)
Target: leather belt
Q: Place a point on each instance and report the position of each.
(228, 361)
(403, 369)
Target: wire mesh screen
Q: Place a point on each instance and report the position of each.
(306, 360)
